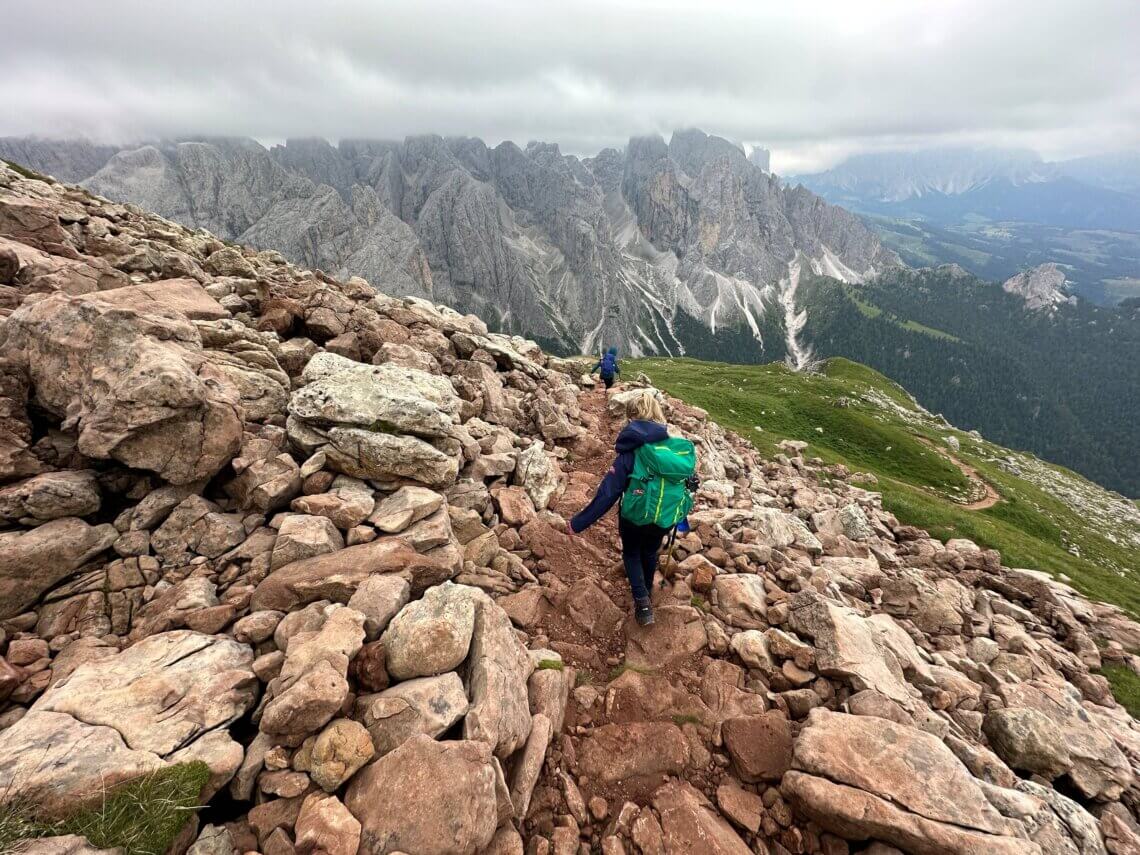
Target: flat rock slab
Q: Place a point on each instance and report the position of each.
(677, 633)
(170, 697)
(864, 777)
(691, 824)
(183, 295)
(32, 562)
(618, 752)
(849, 646)
(760, 746)
(337, 575)
(426, 797)
(341, 392)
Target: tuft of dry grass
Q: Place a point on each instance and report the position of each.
(142, 816)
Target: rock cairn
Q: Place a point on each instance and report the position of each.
(314, 536)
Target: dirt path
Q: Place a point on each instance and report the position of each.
(992, 495)
(598, 653)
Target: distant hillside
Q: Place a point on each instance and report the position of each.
(995, 211)
(1058, 382)
(1046, 516)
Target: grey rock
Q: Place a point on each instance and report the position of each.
(693, 222)
(1040, 287)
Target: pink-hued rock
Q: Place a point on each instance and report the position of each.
(137, 388)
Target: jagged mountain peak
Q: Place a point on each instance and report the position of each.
(664, 247)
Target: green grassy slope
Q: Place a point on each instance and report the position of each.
(1048, 518)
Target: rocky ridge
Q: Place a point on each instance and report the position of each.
(1041, 287)
(655, 248)
(314, 537)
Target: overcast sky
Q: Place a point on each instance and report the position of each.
(813, 81)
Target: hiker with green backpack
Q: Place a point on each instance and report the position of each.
(654, 476)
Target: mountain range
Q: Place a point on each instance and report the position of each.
(902, 176)
(680, 248)
(998, 211)
(655, 248)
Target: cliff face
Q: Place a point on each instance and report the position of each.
(1041, 287)
(577, 252)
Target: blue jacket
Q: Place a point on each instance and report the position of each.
(632, 436)
(601, 365)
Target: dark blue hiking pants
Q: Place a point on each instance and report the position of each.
(639, 546)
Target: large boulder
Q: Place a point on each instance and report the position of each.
(379, 422)
(690, 824)
(1045, 729)
(428, 705)
(137, 387)
(848, 646)
(760, 746)
(170, 698)
(388, 457)
(431, 635)
(325, 825)
(536, 473)
(409, 504)
(389, 397)
(311, 686)
(497, 672)
(337, 575)
(864, 777)
(779, 529)
(741, 599)
(50, 496)
(427, 797)
(32, 562)
(639, 750)
(347, 503)
(181, 295)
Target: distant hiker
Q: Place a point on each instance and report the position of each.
(653, 475)
(608, 367)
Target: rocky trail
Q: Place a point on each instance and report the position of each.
(309, 542)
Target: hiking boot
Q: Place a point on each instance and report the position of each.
(642, 612)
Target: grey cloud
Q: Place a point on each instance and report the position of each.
(813, 81)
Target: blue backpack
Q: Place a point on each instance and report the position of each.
(609, 365)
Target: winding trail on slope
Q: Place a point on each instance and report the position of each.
(992, 495)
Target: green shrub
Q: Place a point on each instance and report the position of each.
(550, 665)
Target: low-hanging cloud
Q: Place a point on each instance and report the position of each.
(813, 81)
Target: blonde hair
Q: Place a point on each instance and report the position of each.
(645, 407)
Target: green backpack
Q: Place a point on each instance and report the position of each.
(656, 494)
